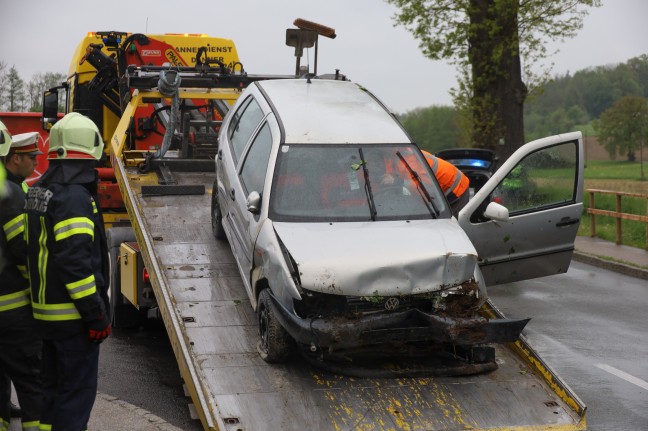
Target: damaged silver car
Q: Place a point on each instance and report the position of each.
(345, 241)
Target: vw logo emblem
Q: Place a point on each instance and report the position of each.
(392, 304)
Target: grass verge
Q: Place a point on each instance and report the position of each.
(616, 176)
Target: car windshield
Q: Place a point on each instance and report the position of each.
(354, 183)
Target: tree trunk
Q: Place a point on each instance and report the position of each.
(631, 156)
(498, 90)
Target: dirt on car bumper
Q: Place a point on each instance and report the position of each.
(407, 326)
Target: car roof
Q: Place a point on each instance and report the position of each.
(328, 111)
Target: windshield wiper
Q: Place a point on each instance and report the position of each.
(428, 200)
(372, 205)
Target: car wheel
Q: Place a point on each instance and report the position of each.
(216, 215)
(274, 341)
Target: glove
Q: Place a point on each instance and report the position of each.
(99, 329)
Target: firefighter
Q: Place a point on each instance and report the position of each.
(68, 268)
(454, 183)
(20, 344)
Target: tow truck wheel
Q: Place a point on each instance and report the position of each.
(274, 342)
(216, 215)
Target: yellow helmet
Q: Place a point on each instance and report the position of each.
(5, 140)
(3, 175)
(74, 137)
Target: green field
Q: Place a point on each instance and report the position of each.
(616, 176)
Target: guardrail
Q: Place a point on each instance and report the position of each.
(618, 215)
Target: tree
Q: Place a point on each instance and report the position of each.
(489, 41)
(623, 128)
(639, 67)
(15, 91)
(3, 83)
(433, 128)
(600, 95)
(38, 84)
(584, 95)
(16, 95)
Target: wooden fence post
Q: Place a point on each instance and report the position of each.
(592, 216)
(618, 215)
(618, 220)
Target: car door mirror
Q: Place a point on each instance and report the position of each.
(254, 202)
(495, 211)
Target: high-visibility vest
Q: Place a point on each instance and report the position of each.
(451, 179)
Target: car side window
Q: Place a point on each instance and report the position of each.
(243, 124)
(544, 179)
(255, 166)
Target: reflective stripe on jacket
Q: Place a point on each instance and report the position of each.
(64, 234)
(451, 179)
(14, 227)
(31, 426)
(11, 301)
(12, 245)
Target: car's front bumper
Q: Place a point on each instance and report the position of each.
(407, 326)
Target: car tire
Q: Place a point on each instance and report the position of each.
(216, 215)
(274, 342)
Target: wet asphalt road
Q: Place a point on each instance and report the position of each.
(138, 366)
(590, 325)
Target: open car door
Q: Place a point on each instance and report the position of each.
(524, 220)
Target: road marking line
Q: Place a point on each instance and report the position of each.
(623, 375)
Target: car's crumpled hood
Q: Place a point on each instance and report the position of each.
(379, 258)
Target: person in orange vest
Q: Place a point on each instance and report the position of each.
(454, 183)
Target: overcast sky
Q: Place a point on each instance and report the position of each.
(40, 36)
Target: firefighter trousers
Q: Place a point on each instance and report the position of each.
(20, 364)
(70, 371)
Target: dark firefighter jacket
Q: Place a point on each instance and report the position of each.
(68, 260)
(15, 307)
